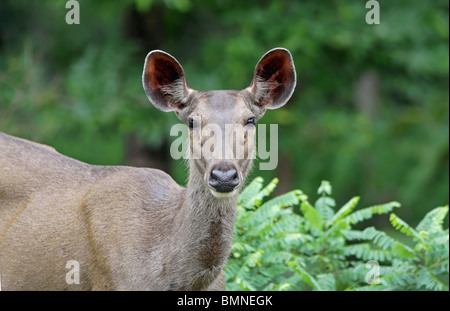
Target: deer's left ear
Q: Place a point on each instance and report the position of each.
(274, 79)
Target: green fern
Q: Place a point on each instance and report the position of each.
(403, 227)
(286, 243)
(432, 222)
(344, 211)
(368, 212)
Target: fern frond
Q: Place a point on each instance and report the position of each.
(273, 208)
(325, 205)
(432, 222)
(267, 190)
(251, 191)
(306, 277)
(378, 237)
(311, 215)
(288, 199)
(442, 266)
(403, 251)
(344, 210)
(355, 273)
(260, 280)
(365, 252)
(254, 259)
(325, 188)
(277, 257)
(289, 226)
(429, 281)
(368, 212)
(276, 249)
(294, 282)
(337, 229)
(241, 248)
(245, 285)
(403, 227)
(327, 282)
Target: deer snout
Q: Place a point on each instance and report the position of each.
(224, 177)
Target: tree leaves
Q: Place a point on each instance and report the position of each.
(311, 215)
(433, 220)
(344, 210)
(403, 227)
(368, 212)
(277, 249)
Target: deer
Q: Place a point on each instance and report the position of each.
(134, 228)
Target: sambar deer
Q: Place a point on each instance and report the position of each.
(135, 228)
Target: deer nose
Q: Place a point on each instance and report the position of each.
(224, 177)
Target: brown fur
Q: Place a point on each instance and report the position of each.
(129, 228)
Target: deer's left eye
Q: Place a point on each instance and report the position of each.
(251, 121)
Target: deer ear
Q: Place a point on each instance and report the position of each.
(164, 82)
(274, 79)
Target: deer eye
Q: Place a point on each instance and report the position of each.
(191, 123)
(251, 121)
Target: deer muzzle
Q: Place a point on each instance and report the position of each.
(224, 177)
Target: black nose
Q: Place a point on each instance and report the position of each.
(224, 177)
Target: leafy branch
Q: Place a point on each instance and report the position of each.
(287, 243)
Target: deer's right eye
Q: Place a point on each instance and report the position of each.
(191, 123)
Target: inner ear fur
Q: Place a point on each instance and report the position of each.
(274, 79)
(164, 81)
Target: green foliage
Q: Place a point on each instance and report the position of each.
(370, 113)
(287, 243)
(360, 89)
(371, 103)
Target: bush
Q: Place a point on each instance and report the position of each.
(318, 248)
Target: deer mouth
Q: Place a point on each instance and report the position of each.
(223, 195)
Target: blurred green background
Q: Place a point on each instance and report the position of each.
(370, 112)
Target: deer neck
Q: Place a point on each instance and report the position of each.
(208, 226)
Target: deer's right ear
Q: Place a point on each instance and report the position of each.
(164, 82)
